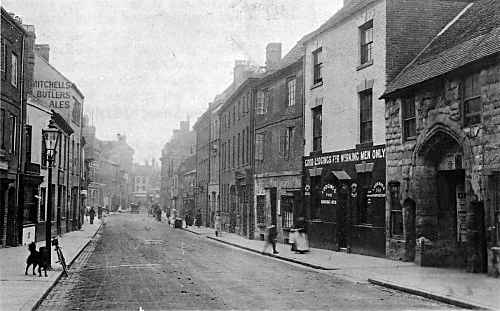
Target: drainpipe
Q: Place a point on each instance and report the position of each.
(20, 166)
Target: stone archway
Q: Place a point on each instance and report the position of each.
(438, 188)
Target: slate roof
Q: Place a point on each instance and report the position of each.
(473, 36)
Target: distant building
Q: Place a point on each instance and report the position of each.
(181, 145)
(202, 129)
(145, 184)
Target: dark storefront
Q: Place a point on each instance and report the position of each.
(344, 196)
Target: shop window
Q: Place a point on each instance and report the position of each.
(366, 33)
(409, 118)
(472, 100)
(317, 128)
(316, 197)
(396, 210)
(365, 101)
(317, 66)
(496, 200)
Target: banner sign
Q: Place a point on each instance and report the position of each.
(353, 155)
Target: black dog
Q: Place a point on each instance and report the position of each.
(37, 258)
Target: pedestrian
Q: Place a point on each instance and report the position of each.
(198, 220)
(272, 235)
(217, 225)
(99, 212)
(92, 215)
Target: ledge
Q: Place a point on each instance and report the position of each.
(363, 66)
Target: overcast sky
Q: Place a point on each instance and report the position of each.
(144, 65)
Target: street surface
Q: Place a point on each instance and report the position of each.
(137, 263)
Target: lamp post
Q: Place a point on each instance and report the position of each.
(50, 139)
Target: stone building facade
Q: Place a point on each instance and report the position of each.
(443, 137)
(279, 143)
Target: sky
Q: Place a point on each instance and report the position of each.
(145, 65)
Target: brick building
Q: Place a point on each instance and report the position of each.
(16, 68)
(181, 145)
(279, 142)
(236, 152)
(203, 148)
(348, 62)
(443, 136)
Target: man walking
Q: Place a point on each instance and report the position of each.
(272, 235)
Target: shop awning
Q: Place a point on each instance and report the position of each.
(341, 175)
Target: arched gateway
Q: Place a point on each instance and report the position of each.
(442, 193)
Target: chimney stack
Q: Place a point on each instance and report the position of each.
(43, 50)
(273, 55)
(241, 71)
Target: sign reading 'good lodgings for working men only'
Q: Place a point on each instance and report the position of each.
(346, 156)
(57, 93)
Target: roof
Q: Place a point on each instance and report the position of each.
(346, 11)
(473, 35)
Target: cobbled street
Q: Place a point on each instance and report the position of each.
(136, 263)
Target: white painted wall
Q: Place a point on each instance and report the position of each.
(341, 57)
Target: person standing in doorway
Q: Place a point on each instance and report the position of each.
(272, 235)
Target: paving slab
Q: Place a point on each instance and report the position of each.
(23, 292)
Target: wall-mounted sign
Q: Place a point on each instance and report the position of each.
(374, 153)
(57, 94)
(329, 195)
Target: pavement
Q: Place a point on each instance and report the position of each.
(24, 292)
(453, 286)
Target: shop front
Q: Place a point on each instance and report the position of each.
(344, 199)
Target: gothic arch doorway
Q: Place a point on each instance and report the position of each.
(440, 197)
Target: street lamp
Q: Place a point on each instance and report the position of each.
(50, 139)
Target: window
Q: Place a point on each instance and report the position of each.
(286, 138)
(317, 63)
(259, 147)
(41, 214)
(239, 110)
(472, 100)
(291, 84)
(261, 105)
(317, 128)
(364, 182)
(234, 151)
(248, 145)
(365, 100)
(239, 149)
(287, 212)
(261, 207)
(2, 126)
(234, 115)
(43, 158)
(366, 32)
(77, 106)
(13, 134)
(409, 119)
(28, 143)
(243, 147)
(3, 59)
(13, 70)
